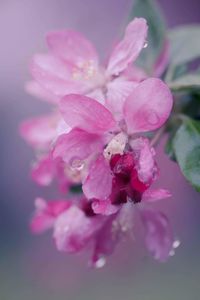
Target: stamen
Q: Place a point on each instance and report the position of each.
(85, 70)
(116, 145)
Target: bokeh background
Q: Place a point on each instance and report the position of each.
(30, 267)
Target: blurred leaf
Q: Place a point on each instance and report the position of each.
(184, 44)
(150, 10)
(180, 71)
(171, 128)
(169, 149)
(191, 104)
(76, 189)
(186, 82)
(186, 145)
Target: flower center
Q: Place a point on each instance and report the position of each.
(126, 183)
(91, 72)
(85, 70)
(116, 145)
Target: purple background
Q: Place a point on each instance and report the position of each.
(30, 267)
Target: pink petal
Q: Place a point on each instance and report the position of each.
(41, 223)
(148, 106)
(46, 213)
(39, 132)
(62, 128)
(118, 90)
(63, 180)
(57, 207)
(106, 240)
(98, 183)
(159, 237)
(162, 61)
(86, 113)
(129, 48)
(155, 195)
(43, 172)
(55, 76)
(71, 46)
(134, 73)
(104, 207)
(144, 159)
(73, 230)
(77, 144)
(36, 90)
(47, 169)
(98, 95)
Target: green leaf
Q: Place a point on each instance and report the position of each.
(190, 104)
(150, 10)
(169, 149)
(186, 144)
(184, 44)
(76, 189)
(186, 82)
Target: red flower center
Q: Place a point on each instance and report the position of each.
(126, 182)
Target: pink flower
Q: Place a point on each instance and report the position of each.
(39, 132)
(75, 226)
(94, 127)
(159, 237)
(46, 214)
(98, 139)
(46, 169)
(73, 229)
(72, 66)
(122, 166)
(43, 171)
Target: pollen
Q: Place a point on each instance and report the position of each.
(85, 70)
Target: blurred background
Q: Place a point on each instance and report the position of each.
(30, 267)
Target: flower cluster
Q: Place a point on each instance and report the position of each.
(97, 138)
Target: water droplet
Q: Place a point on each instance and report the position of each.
(176, 244)
(172, 253)
(124, 228)
(145, 44)
(152, 117)
(100, 263)
(76, 164)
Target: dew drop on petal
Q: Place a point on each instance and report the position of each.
(124, 228)
(100, 263)
(76, 164)
(176, 244)
(172, 252)
(145, 44)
